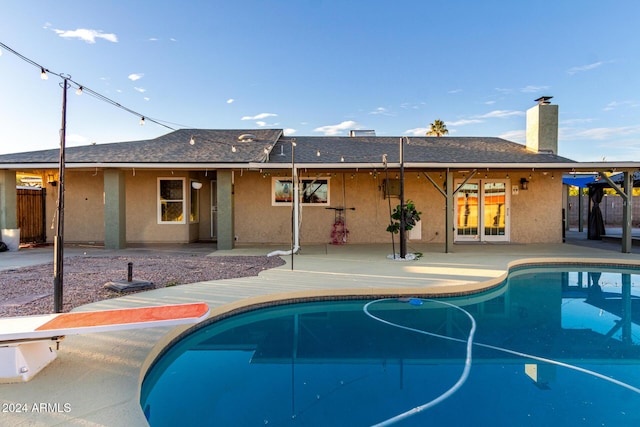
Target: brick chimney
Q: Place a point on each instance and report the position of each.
(542, 127)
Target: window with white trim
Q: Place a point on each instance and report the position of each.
(313, 191)
(171, 201)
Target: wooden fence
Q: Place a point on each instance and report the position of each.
(611, 208)
(31, 214)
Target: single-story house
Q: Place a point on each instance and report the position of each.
(258, 186)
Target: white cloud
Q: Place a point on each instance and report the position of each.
(490, 102)
(408, 105)
(500, 114)
(173, 40)
(455, 91)
(146, 98)
(0, 52)
(570, 122)
(464, 122)
(259, 116)
(230, 101)
(587, 67)
(289, 131)
(87, 35)
(153, 39)
(504, 90)
(135, 76)
(615, 104)
(532, 89)
(416, 131)
(381, 111)
(514, 135)
(139, 89)
(75, 139)
(262, 124)
(337, 129)
(605, 133)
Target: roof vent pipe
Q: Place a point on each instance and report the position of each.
(246, 137)
(360, 132)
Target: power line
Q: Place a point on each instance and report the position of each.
(44, 71)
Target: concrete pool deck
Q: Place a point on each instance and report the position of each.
(95, 381)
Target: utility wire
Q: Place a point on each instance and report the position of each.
(83, 88)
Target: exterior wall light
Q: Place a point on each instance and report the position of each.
(524, 184)
(196, 185)
(51, 179)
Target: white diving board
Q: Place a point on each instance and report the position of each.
(29, 343)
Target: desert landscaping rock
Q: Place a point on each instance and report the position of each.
(29, 290)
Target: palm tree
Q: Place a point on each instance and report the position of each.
(437, 128)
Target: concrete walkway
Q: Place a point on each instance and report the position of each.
(96, 378)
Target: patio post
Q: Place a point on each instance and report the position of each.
(403, 237)
(294, 200)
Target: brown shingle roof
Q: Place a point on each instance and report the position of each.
(418, 150)
(211, 146)
(215, 146)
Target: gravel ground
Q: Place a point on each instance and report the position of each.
(29, 290)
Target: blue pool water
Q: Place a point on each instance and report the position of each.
(551, 346)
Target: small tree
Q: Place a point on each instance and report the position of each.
(411, 217)
(437, 128)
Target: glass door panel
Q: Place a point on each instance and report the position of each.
(467, 213)
(482, 211)
(495, 210)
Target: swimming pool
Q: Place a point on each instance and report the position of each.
(550, 346)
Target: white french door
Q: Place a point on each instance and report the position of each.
(482, 211)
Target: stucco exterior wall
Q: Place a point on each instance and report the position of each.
(83, 207)
(536, 214)
(257, 221)
(142, 209)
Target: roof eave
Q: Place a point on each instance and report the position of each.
(577, 166)
(102, 165)
(569, 166)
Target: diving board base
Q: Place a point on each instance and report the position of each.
(29, 343)
(21, 361)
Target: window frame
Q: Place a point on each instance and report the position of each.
(304, 182)
(160, 201)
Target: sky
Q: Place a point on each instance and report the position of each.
(322, 67)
